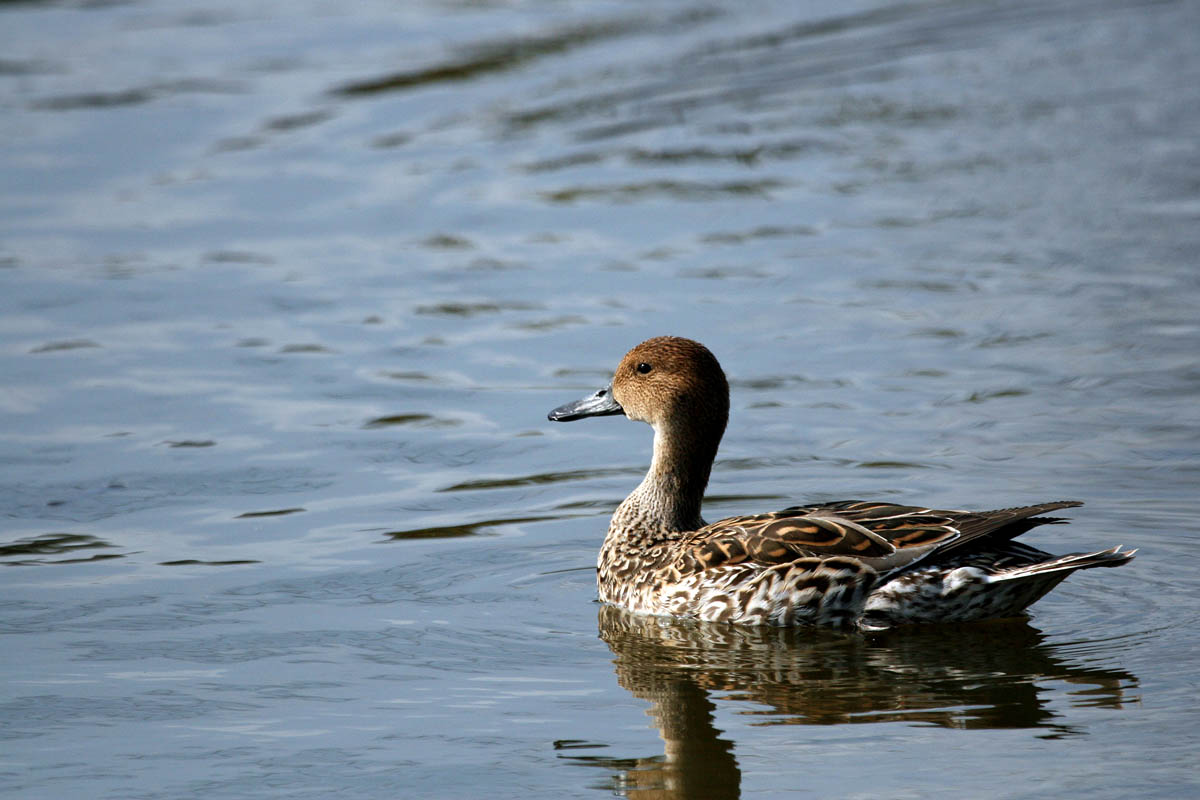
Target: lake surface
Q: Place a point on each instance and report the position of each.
(287, 289)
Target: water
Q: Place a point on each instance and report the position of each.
(288, 289)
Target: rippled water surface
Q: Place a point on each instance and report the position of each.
(288, 288)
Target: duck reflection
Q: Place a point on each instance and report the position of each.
(983, 675)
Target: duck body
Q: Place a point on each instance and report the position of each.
(847, 564)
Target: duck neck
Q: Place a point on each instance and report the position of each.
(668, 499)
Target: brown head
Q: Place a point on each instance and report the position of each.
(668, 380)
(674, 384)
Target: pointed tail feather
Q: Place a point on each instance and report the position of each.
(1113, 557)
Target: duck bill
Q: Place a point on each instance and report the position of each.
(598, 404)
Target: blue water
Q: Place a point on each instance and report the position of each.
(287, 289)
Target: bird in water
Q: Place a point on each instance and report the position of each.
(849, 564)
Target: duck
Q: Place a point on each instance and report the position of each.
(852, 564)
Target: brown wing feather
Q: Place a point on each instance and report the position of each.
(884, 535)
(908, 526)
(1007, 523)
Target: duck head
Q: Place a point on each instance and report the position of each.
(668, 382)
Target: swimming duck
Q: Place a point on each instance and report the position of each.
(870, 565)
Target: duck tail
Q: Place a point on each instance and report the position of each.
(1113, 557)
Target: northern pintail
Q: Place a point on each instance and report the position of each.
(870, 565)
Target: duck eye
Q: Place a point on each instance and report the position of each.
(644, 368)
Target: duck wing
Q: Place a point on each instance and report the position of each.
(884, 536)
(899, 523)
